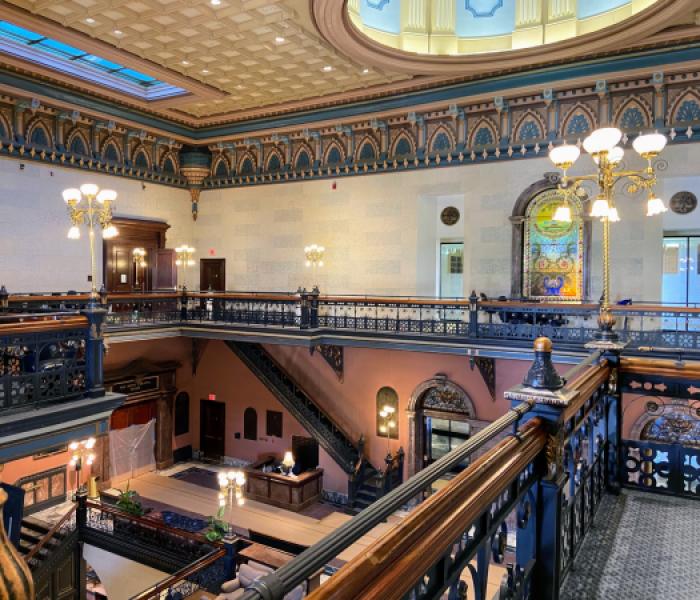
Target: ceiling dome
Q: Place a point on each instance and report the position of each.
(465, 27)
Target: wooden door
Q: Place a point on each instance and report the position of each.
(212, 274)
(212, 429)
(164, 269)
(119, 268)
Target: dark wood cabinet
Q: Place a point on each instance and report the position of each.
(122, 274)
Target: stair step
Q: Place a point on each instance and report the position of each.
(31, 522)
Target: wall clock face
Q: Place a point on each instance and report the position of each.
(449, 215)
(683, 203)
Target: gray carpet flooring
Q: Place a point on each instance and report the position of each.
(642, 546)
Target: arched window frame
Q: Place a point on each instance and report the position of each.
(250, 424)
(519, 224)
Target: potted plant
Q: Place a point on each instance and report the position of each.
(217, 527)
(130, 502)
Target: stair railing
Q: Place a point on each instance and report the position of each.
(66, 522)
(392, 474)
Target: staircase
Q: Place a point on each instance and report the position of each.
(33, 530)
(302, 407)
(363, 486)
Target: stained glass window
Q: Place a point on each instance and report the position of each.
(553, 250)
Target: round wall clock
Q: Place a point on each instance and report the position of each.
(683, 203)
(449, 215)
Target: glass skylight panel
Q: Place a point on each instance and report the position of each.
(59, 48)
(64, 57)
(18, 33)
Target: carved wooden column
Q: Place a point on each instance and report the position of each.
(164, 429)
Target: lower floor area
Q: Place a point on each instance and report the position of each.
(642, 546)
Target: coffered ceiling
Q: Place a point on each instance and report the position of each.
(260, 52)
(242, 59)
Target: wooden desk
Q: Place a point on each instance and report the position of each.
(291, 492)
(270, 557)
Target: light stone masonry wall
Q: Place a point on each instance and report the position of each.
(35, 254)
(381, 232)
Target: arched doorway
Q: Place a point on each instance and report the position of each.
(441, 416)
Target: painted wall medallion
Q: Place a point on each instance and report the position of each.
(449, 215)
(683, 203)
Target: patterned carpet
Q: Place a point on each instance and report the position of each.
(643, 546)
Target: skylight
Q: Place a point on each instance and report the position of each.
(56, 55)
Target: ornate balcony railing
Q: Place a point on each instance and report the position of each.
(42, 359)
(465, 320)
(545, 481)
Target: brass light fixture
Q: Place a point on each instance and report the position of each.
(139, 258)
(81, 453)
(92, 207)
(314, 258)
(184, 260)
(603, 147)
(231, 485)
(388, 424)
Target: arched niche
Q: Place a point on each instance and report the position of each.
(436, 396)
(250, 424)
(668, 421)
(522, 246)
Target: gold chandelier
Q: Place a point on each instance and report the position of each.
(92, 207)
(602, 145)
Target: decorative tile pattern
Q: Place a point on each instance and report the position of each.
(642, 547)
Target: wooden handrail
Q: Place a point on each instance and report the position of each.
(660, 366)
(33, 552)
(50, 323)
(395, 300)
(388, 570)
(152, 523)
(155, 590)
(586, 384)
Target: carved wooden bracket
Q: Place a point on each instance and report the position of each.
(334, 356)
(487, 368)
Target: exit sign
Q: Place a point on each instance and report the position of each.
(212, 396)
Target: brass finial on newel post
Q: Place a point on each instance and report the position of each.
(542, 374)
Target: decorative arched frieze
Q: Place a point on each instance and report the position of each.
(442, 140)
(274, 160)
(77, 142)
(247, 165)
(220, 166)
(685, 108)
(303, 157)
(140, 158)
(334, 154)
(530, 126)
(578, 121)
(367, 149)
(38, 133)
(111, 151)
(403, 144)
(169, 162)
(650, 424)
(483, 133)
(634, 114)
(5, 127)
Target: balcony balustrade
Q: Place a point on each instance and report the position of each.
(461, 320)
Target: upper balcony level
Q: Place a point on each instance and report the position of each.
(474, 325)
(51, 380)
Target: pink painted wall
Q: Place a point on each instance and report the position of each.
(16, 469)
(220, 372)
(172, 349)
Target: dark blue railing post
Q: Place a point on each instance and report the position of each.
(304, 308)
(313, 307)
(230, 545)
(183, 304)
(613, 413)
(473, 315)
(4, 299)
(94, 349)
(540, 513)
